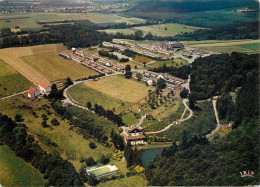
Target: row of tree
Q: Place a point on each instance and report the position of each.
(109, 114)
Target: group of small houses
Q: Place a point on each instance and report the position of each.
(41, 89)
(151, 78)
(99, 64)
(151, 50)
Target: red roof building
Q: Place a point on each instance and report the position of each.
(33, 92)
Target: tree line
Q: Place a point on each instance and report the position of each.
(181, 72)
(56, 171)
(109, 114)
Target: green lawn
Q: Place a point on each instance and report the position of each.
(16, 172)
(11, 81)
(113, 92)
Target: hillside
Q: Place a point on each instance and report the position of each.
(220, 162)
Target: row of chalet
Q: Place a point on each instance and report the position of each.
(112, 45)
(169, 78)
(79, 56)
(135, 135)
(41, 89)
(91, 64)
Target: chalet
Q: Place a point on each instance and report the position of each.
(44, 89)
(33, 92)
(135, 136)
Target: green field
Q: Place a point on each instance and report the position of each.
(11, 81)
(16, 172)
(54, 67)
(170, 29)
(29, 19)
(113, 92)
(227, 46)
(254, 46)
(178, 62)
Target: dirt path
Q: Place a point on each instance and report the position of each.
(14, 95)
(12, 57)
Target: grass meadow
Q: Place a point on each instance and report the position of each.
(16, 172)
(11, 81)
(178, 62)
(170, 29)
(54, 67)
(202, 123)
(113, 92)
(70, 145)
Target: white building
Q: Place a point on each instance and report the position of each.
(33, 92)
(44, 89)
(135, 136)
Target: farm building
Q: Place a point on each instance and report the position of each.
(44, 89)
(33, 92)
(102, 171)
(135, 136)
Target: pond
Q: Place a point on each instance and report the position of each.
(149, 154)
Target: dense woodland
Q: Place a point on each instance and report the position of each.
(219, 74)
(57, 171)
(182, 72)
(221, 161)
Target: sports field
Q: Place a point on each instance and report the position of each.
(111, 92)
(11, 81)
(16, 172)
(100, 171)
(170, 29)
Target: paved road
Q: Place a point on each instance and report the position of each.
(14, 95)
(178, 121)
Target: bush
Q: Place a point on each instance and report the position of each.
(55, 122)
(90, 161)
(92, 145)
(104, 159)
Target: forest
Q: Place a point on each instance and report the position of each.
(221, 161)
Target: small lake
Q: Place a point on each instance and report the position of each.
(149, 154)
